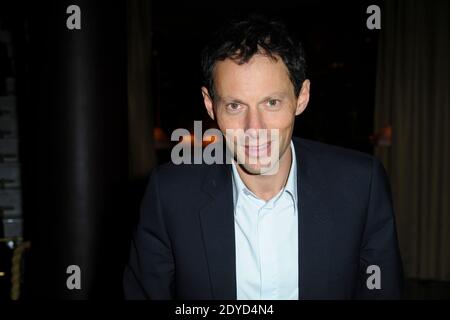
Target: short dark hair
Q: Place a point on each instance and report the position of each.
(241, 40)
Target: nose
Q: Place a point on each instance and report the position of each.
(254, 122)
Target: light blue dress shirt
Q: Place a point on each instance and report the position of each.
(266, 235)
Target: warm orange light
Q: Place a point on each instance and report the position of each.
(383, 137)
(188, 138)
(210, 138)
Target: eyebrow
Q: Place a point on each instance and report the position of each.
(232, 100)
(235, 100)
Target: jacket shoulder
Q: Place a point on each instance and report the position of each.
(333, 155)
(186, 179)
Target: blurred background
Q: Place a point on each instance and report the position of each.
(86, 114)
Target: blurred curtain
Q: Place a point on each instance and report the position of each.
(140, 116)
(413, 98)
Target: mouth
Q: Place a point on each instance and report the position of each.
(258, 151)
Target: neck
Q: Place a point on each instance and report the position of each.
(267, 186)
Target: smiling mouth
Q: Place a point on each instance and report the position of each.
(258, 151)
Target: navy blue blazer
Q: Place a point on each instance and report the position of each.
(184, 244)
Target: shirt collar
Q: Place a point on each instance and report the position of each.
(290, 187)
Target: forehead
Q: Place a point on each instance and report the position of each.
(259, 76)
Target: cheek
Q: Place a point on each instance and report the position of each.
(285, 125)
(226, 124)
(284, 120)
(226, 121)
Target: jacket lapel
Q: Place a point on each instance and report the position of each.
(217, 223)
(315, 226)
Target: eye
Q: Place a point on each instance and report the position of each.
(273, 102)
(233, 106)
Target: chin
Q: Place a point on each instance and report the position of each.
(251, 169)
(258, 168)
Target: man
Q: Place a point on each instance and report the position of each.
(315, 223)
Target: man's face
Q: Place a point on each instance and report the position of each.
(252, 99)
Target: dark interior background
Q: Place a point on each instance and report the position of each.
(341, 57)
(79, 203)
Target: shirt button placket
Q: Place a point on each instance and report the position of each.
(264, 248)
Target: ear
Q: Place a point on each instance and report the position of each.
(208, 102)
(303, 97)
